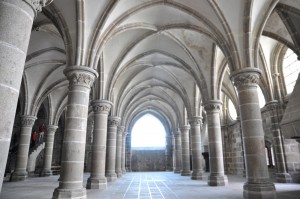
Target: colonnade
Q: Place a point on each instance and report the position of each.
(13, 48)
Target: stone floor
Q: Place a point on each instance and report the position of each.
(146, 185)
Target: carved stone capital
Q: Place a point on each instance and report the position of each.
(80, 76)
(213, 106)
(124, 135)
(195, 121)
(27, 120)
(246, 77)
(177, 135)
(121, 130)
(185, 129)
(101, 106)
(51, 129)
(272, 105)
(113, 121)
(37, 5)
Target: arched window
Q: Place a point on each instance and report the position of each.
(148, 132)
(291, 69)
(261, 97)
(232, 110)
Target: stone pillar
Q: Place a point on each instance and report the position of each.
(197, 173)
(110, 168)
(14, 16)
(216, 162)
(119, 151)
(51, 129)
(97, 179)
(72, 163)
(258, 183)
(128, 153)
(276, 112)
(20, 172)
(123, 152)
(178, 153)
(185, 146)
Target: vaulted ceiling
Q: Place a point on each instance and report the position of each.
(164, 56)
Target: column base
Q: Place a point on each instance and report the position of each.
(96, 183)
(220, 180)
(177, 170)
(185, 173)
(18, 176)
(124, 171)
(110, 177)
(45, 173)
(69, 193)
(197, 175)
(283, 177)
(119, 174)
(259, 191)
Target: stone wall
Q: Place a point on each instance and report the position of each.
(233, 150)
(58, 139)
(292, 148)
(148, 160)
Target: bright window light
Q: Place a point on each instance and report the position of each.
(148, 132)
(232, 110)
(261, 97)
(291, 69)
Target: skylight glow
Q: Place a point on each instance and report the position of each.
(148, 132)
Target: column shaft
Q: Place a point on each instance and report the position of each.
(16, 18)
(185, 146)
(110, 170)
(216, 162)
(123, 152)
(258, 184)
(119, 151)
(73, 150)
(282, 174)
(197, 173)
(97, 179)
(128, 154)
(178, 153)
(20, 172)
(48, 150)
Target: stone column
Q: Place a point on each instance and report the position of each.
(14, 16)
(119, 151)
(185, 146)
(72, 163)
(276, 112)
(110, 168)
(178, 153)
(123, 152)
(258, 184)
(51, 129)
(197, 173)
(216, 162)
(97, 179)
(20, 172)
(128, 153)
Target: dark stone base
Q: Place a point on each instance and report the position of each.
(45, 173)
(259, 191)
(111, 177)
(93, 183)
(217, 180)
(283, 177)
(197, 175)
(69, 193)
(185, 173)
(18, 176)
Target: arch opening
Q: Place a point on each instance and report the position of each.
(148, 132)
